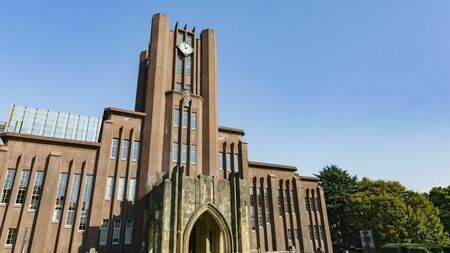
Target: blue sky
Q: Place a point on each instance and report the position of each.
(360, 84)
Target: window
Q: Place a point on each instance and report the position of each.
(185, 119)
(252, 208)
(175, 152)
(260, 206)
(292, 202)
(317, 205)
(194, 120)
(121, 189)
(193, 154)
(311, 234)
(109, 187)
(189, 65)
(267, 206)
(228, 161)
(179, 63)
(298, 234)
(115, 148)
(220, 160)
(73, 199)
(136, 146)
(60, 196)
(179, 86)
(285, 197)
(36, 194)
(307, 204)
(132, 189)
(176, 118)
(236, 162)
(116, 232)
(22, 187)
(280, 201)
(321, 232)
(311, 204)
(126, 149)
(104, 232)
(85, 203)
(128, 232)
(316, 232)
(11, 238)
(289, 236)
(7, 186)
(183, 153)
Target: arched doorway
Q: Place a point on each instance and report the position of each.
(207, 232)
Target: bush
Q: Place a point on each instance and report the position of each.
(416, 247)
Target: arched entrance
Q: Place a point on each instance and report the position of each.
(207, 232)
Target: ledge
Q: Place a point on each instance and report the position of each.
(306, 178)
(231, 130)
(271, 166)
(50, 140)
(123, 111)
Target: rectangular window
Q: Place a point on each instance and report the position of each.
(183, 153)
(175, 152)
(316, 232)
(22, 186)
(321, 231)
(220, 160)
(228, 161)
(311, 233)
(116, 232)
(317, 205)
(252, 208)
(73, 199)
(7, 185)
(85, 203)
(289, 236)
(307, 204)
(285, 197)
(298, 234)
(60, 196)
(115, 148)
(280, 201)
(189, 65)
(260, 206)
(37, 188)
(178, 86)
(185, 119)
(193, 154)
(104, 232)
(194, 120)
(267, 206)
(236, 162)
(179, 63)
(128, 232)
(11, 238)
(292, 202)
(132, 189)
(311, 204)
(176, 118)
(126, 149)
(109, 188)
(136, 146)
(121, 189)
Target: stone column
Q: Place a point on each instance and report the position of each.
(324, 218)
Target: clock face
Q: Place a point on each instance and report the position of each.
(185, 48)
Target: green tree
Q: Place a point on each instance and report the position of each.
(440, 196)
(338, 187)
(394, 215)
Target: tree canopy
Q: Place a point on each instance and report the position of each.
(440, 196)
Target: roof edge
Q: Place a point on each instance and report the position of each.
(272, 166)
(231, 130)
(124, 111)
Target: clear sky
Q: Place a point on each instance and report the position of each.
(361, 84)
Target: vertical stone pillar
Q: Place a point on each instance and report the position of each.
(209, 94)
(48, 198)
(324, 220)
(142, 81)
(278, 226)
(304, 218)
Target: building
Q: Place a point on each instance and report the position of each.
(162, 178)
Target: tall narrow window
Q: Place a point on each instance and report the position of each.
(194, 120)
(7, 186)
(60, 196)
(316, 232)
(37, 188)
(280, 201)
(193, 154)
(136, 146)
(285, 197)
(128, 232)
(189, 65)
(116, 232)
(73, 199)
(185, 119)
(267, 206)
(132, 189)
(311, 204)
(252, 208)
(321, 232)
(292, 202)
(183, 153)
(220, 160)
(126, 149)
(307, 204)
(228, 161)
(298, 234)
(179, 63)
(260, 206)
(109, 188)
(236, 162)
(22, 186)
(114, 148)
(317, 204)
(85, 203)
(178, 86)
(176, 117)
(104, 232)
(11, 237)
(175, 152)
(311, 232)
(121, 189)
(289, 237)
